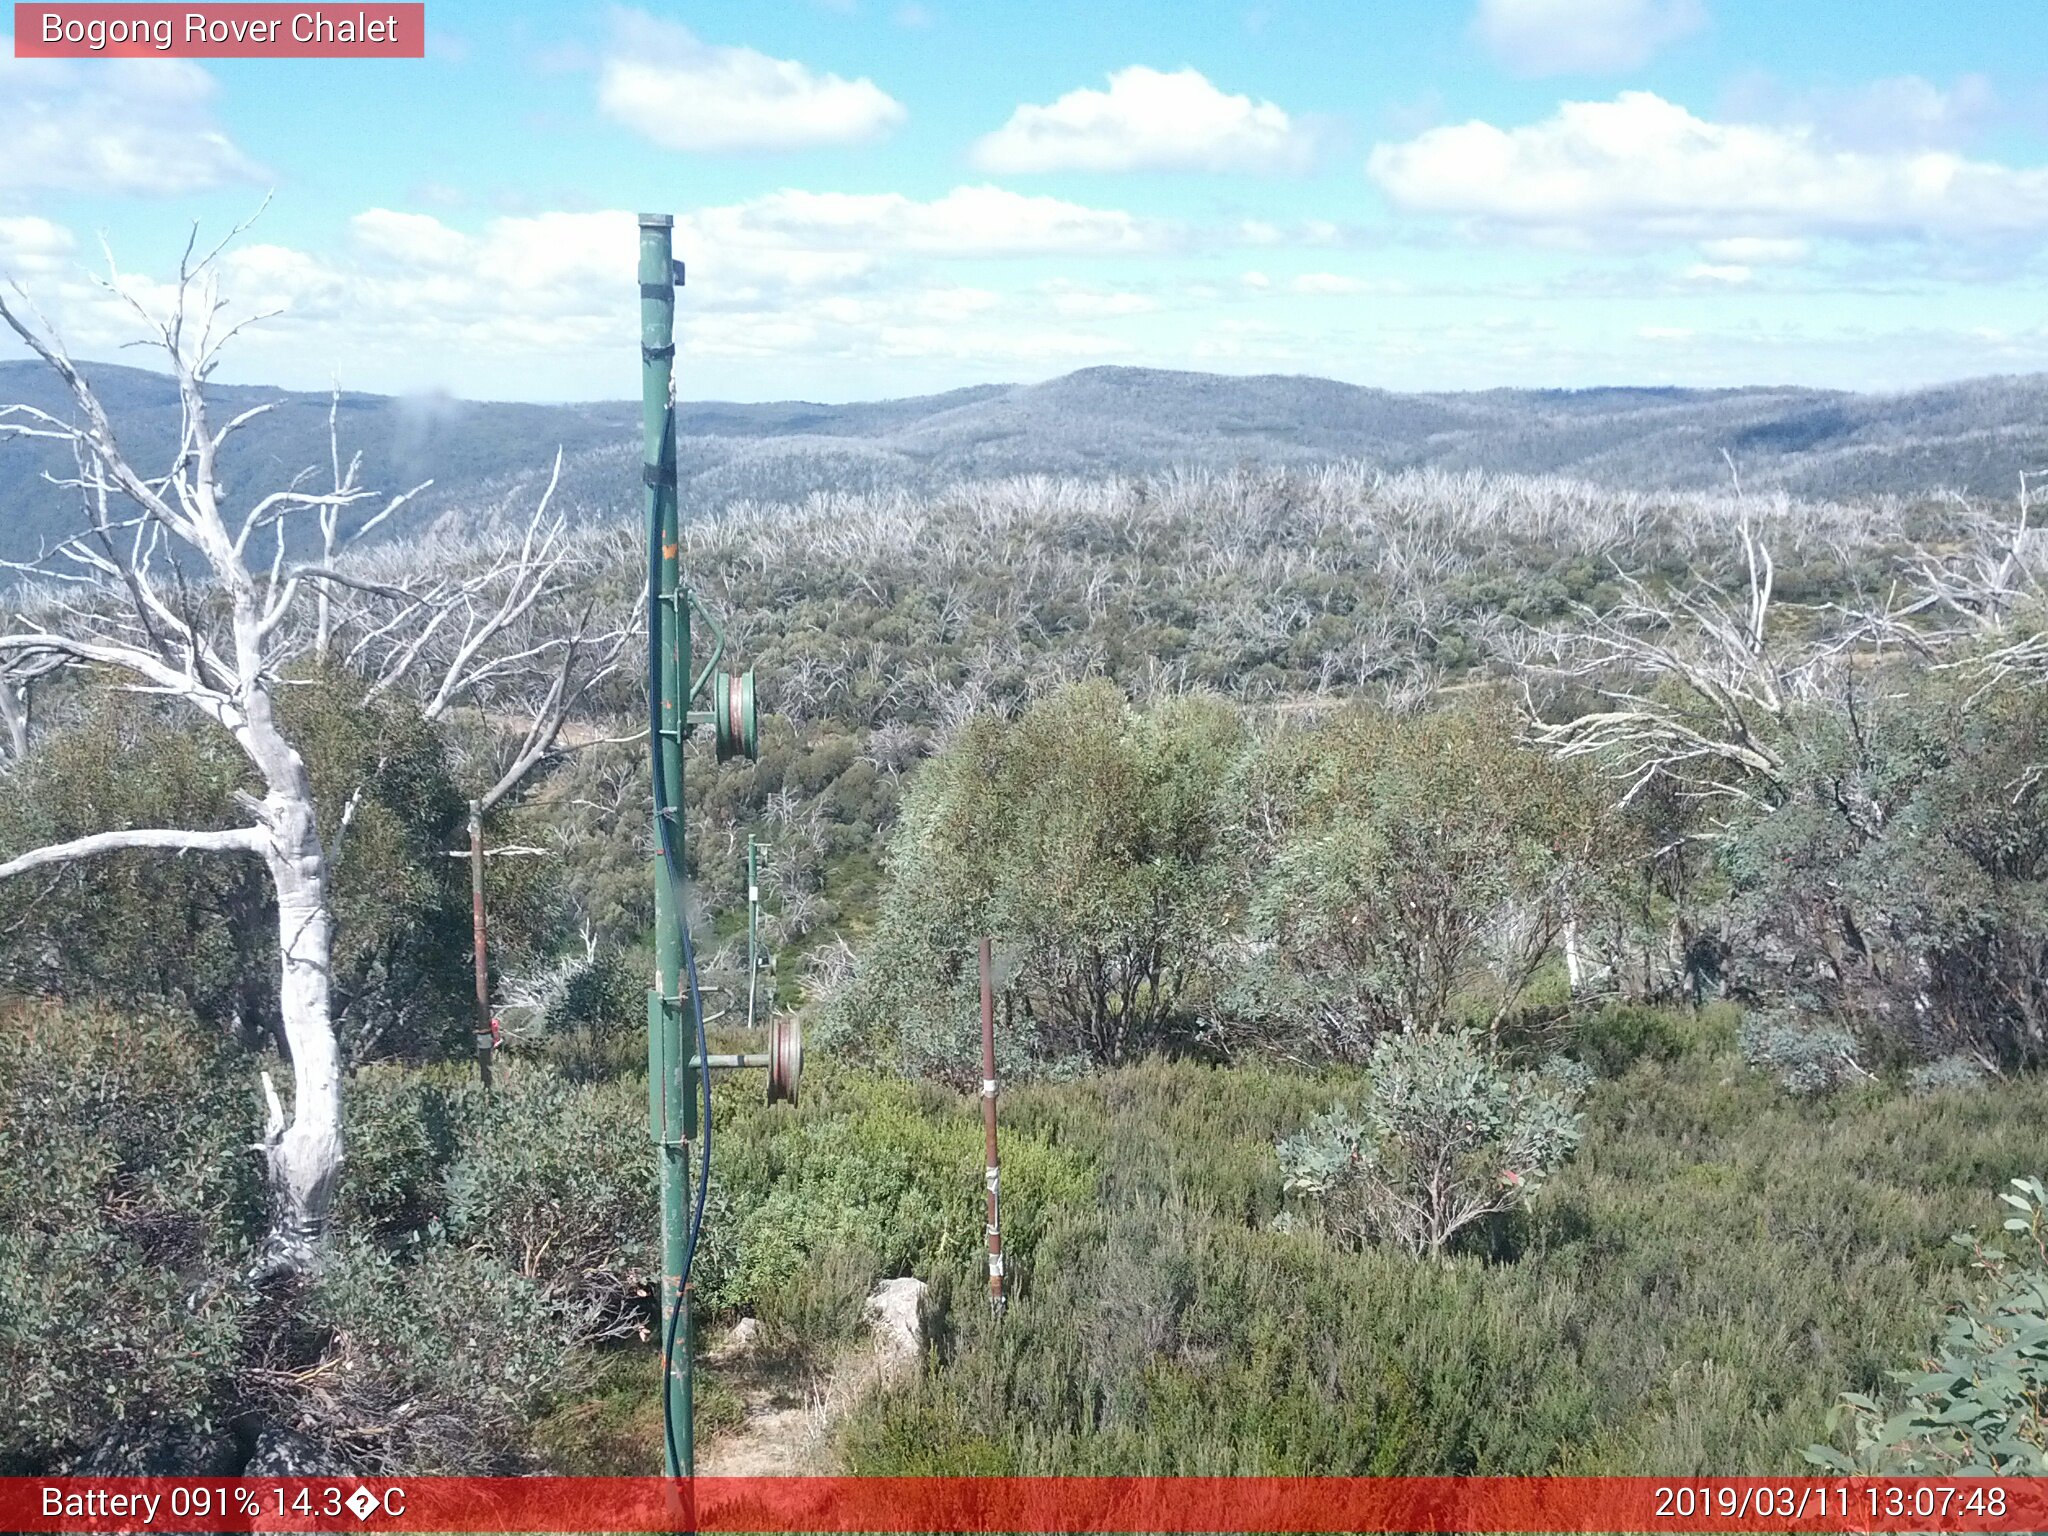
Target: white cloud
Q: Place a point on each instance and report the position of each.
(1148, 120)
(112, 126)
(1339, 284)
(778, 248)
(532, 307)
(681, 93)
(1756, 250)
(1907, 111)
(413, 237)
(1897, 112)
(1554, 37)
(967, 221)
(406, 299)
(926, 302)
(1717, 272)
(1263, 232)
(1643, 168)
(30, 246)
(1241, 343)
(90, 313)
(956, 303)
(1078, 303)
(993, 344)
(549, 265)
(261, 279)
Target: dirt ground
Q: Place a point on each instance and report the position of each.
(791, 1411)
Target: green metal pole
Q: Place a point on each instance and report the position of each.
(670, 1080)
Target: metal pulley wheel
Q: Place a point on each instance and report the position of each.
(785, 1057)
(735, 728)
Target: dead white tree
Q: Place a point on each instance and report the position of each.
(1695, 685)
(215, 651)
(181, 592)
(1982, 608)
(487, 635)
(18, 678)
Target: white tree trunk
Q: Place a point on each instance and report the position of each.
(305, 1155)
(14, 718)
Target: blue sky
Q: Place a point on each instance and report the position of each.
(886, 197)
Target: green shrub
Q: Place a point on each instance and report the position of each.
(1613, 1038)
(590, 1009)
(1082, 837)
(201, 929)
(128, 1198)
(1979, 1407)
(1153, 1340)
(1443, 1137)
(1902, 886)
(1715, 1264)
(404, 1125)
(487, 1243)
(136, 928)
(871, 1177)
(551, 1179)
(436, 1361)
(1809, 1057)
(554, 1182)
(1947, 1074)
(1419, 871)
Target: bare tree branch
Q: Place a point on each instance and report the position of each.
(1694, 686)
(237, 840)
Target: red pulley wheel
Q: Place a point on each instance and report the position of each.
(785, 1057)
(735, 726)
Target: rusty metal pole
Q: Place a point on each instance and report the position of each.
(988, 1127)
(485, 1039)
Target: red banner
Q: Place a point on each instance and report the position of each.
(1024, 1504)
(371, 30)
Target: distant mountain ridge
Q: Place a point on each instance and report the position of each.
(488, 458)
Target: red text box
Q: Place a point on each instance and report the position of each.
(1048, 1506)
(361, 30)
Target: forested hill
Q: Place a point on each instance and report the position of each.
(1974, 436)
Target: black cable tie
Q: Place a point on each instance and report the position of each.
(658, 291)
(656, 354)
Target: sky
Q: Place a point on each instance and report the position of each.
(879, 198)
